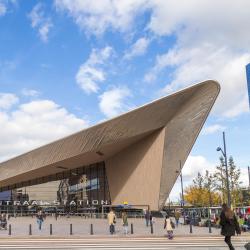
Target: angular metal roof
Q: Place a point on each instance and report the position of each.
(99, 142)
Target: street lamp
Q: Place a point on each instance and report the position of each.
(224, 153)
(182, 195)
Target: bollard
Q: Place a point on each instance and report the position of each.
(132, 228)
(191, 228)
(9, 229)
(91, 229)
(50, 229)
(30, 230)
(71, 230)
(151, 226)
(209, 226)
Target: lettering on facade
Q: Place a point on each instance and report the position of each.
(55, 203)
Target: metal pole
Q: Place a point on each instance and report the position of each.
(225, 155)
(30, 230)
(210, 204)
(70, 230)
(248, 177)
(91, 229)
(182, 196)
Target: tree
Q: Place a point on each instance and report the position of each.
(201, 193)
(234, 181)
(220, 180)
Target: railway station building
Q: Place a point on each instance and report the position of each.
(133, 158)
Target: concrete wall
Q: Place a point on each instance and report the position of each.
(134, 173)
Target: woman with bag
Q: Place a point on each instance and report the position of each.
(229, 225)
(169, 225)
(111, 221)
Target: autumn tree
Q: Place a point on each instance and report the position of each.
(201, 193)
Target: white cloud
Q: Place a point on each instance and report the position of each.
(244, 177)
(7, 100)
(212, 129)
(113, 101)
(44, 30)
(3, 8)
(36, 15)
(34, 124)
(95, 17)
(138, 48)
(207, 62)
(215, 48)
(39, 21)
(91, 73)
(193, 165)
(30, 92)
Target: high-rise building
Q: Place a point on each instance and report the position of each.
(248, 81)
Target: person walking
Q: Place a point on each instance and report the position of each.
(147, 217)
(111, 221)
(229, 225)
(39, 219)
(177, 216)
(169, 226)
(3, 221)
(125, 222)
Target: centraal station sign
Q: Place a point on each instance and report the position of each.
(55, 203)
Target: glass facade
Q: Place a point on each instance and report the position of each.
(248, 81)
(77, 190)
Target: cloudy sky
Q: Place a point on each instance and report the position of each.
(69, 64)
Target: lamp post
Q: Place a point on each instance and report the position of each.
(182, 195)
(210, 201)
(248, 177)
(224, 153)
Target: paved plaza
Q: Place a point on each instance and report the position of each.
(101, 239)
(82, 226)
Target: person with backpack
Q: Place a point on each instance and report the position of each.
(169, 226)
(229, 225)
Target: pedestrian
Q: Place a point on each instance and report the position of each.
(169, 226)
(39, 219)
(151, 219)
(3, 221)
(125, 222)
(177, 216)
(229, 225)
(147, 217)
(111, 221)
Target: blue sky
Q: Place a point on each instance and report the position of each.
(66, 65)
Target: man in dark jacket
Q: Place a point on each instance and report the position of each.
(229, 225)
